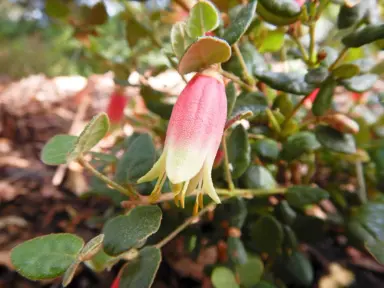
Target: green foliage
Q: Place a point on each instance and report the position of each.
(47, 256)
(141, 271)
(126, 231)
(268, 174)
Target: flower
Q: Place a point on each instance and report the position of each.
(116, 105)
(311, 98)
(116, 282)
(193, 137)
(300, 2)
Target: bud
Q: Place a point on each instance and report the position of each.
(116, 106)
(342, 123)
(311, 97)
(116, 282)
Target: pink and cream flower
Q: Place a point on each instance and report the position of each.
(193, 138)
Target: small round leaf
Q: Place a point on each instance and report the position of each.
(223, 277)
(56, 150)
(205, 51)
(334, 140)
(125, 231)
(203, 18)
(47, 256)
(250, 273)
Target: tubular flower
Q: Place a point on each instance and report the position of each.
(193, 138)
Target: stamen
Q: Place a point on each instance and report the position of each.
(196, 206)
(156, 193)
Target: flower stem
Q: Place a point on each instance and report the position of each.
(129, 191)
(243, 65)
(187, 222)
(237, 80)
(251, 192)
(226, 164)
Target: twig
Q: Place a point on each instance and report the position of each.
(238, 117)
(243, 65)
(301, 47)
(226, 164)
(296, 108)
(189, 221)
(339, 59)
(361, 191)
(237, 80)
(312, 52)
(129, 191)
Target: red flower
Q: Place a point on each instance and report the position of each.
(300, 2)
(116, 282)
(311, 97)
(116, 105)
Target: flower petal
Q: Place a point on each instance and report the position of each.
(192, 127)
(157, 169)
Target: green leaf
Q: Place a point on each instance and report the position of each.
(223, 277)
(156, 102)
(179, 39)
(349, 16)
(134, 31)
(273, 41)
(250, 101)
(253, 60)
(267, 234)
(360, 83)
(95, 130)
(230, 92)
(295, 270)
(236, 251)
(323, 100)
(70, 273)
(46, 257)
(125, 231)
(136, 161)
(288, 82)
(141, 271)
(368, 34)
(56, 150)
(92, 247)
(285, 213)
(258, 177)
(205, 51)
(250, 273)
(301, 196)
(278, 12)
(377, 251)
(316, 76)
(203, 18)
(370, 216)
(234, 211)
(283, 104)
(264, 284)
(239, 151)
(240, 24)
(290, 239)
(266, 149)
(56, 8)
(299, 144)
(101, 261)
(334, 140)
(346, 71)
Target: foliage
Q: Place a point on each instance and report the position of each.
(286, 145)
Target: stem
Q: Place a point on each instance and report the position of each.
(362, 192)
(237, 80)
(312, 52)
(187, 222)
(301, 48)
(296, 108)
(273, 120)
(243, 65)
(252, 192)
(339, 59)
(238, 117)
(129, 191)
(226, 164)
